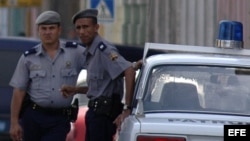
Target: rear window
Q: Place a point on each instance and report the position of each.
(213, 89)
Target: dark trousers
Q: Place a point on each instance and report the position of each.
(99, 127)
(39, 126)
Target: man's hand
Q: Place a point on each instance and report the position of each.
(137, 65)
(68, 91)
(16, 132)
(118, 121)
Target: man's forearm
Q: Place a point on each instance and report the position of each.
(16, 104)
(130, 83)
(81, 90)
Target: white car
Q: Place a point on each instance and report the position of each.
(188, 93)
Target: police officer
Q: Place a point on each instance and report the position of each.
(39, 75)
(106, 70)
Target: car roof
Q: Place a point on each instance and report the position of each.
(199, 59)
(17, 43)
(183, 54)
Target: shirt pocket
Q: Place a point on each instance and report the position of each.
(69, 76)
(37, 77)
(95, 81)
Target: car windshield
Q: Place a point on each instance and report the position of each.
(198, 88)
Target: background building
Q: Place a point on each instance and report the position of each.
(133, 22)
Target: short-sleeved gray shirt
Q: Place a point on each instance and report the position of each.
(42, 77)
(105, 68)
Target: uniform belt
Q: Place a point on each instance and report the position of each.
(91, 103)
(107, 106)
(55, 111)
(101, 101)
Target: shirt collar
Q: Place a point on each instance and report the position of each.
(94, 45)
(41, 51)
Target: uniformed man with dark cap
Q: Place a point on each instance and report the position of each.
(39, 74)
(106, 70)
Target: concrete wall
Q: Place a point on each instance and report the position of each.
(190, 22)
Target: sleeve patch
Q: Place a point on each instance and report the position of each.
(28, 52)
(113, 56)
(71, 44)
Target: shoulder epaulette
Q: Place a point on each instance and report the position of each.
(71, 44)
(81, 45)
(102, 46)
(30, 51)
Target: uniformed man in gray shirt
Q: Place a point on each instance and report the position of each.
(106, 70)
(40, 73)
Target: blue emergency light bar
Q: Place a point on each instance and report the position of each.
(230, 34)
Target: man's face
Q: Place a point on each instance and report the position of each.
(49, 34)
(86, 29)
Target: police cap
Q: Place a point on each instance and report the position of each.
(48, 17)
(87, 13)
